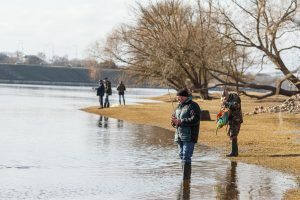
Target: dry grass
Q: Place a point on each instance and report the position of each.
(270, 140)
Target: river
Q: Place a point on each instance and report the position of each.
(49, 149)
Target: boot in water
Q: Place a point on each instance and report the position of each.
(234, 148)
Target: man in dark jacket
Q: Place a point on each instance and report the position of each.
(108, 91)
(100, 92)
(121, 90)
(186, 120)
(232, 102)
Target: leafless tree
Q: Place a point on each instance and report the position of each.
(169, 43)
(267, 26)
(59, 60)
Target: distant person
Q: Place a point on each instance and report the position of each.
(121, 90)
(100, 92)
(189, 86)
(186, 120)
(232, 102)
(108, 91)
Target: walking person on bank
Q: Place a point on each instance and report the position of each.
(100, 92)
(121, 90)
(108, 91)
(186, 120)
(232, 102)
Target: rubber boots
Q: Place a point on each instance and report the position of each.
(234, 148)
(187, 170)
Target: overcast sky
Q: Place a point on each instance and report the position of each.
(58, 27)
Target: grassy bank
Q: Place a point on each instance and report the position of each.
(268, 139)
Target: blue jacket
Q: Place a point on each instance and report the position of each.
(189, 113)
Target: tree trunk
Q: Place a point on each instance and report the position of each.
(204, 94)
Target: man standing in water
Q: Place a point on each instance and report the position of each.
(232, 102)
(186, 120)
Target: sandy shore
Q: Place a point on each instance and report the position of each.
(271, 140)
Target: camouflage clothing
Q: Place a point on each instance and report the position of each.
(236, 116)
(233, 130)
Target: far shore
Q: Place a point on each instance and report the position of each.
(271, 140)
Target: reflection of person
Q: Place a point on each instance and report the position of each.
(121, 90)
(120, 123)
(184, 191)
(101, 123)
(230, 189)
(108, 91)
(100, 92)
(186, 120)
(233, 102)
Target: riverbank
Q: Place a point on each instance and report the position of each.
(269, 139)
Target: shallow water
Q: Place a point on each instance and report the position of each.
(49, 149)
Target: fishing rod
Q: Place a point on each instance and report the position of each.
(171, 99)
(168, 87)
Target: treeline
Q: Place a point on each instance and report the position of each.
(40, 59)
(210, 43)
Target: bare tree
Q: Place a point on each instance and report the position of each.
(169, 43)
(268, 27)
(59, 60)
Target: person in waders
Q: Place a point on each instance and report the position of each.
(186, 120)
(232, 102)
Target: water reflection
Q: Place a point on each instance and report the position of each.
(184, 190)
(103, 121)
(120, 123)
(229, 189)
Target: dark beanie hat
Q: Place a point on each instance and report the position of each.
(183, 92)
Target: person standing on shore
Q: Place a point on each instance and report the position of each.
(121, 90)
(189, 86)
(232, 102)
(186, 120)
(108, 91)
(100, 92)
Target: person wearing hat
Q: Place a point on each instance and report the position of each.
(232, 102)
(186, 121)
(100, 92)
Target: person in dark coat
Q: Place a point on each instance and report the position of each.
(100, 92)
(186, 120)
(108, 92)
(121, 90)
(232, 102)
